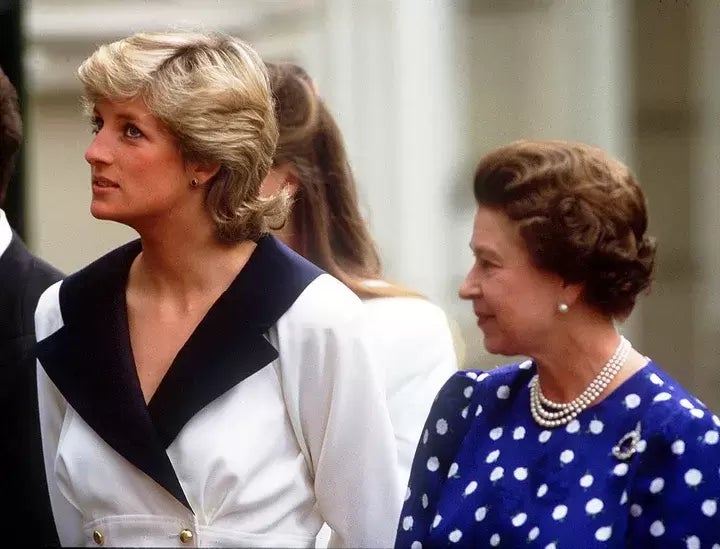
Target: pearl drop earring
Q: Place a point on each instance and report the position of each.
(563, 308)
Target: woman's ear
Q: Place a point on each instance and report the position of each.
(279, 178)
(203, 172)
(571, 292)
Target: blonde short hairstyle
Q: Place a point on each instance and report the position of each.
(211, 92)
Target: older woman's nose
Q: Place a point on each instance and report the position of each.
(469, 288)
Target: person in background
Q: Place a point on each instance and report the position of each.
(409, 334)
(23, 277)
(588, 443)
(204, 385)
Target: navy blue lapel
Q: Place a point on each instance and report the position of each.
(90, 358)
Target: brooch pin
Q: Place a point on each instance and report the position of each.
(627, 445)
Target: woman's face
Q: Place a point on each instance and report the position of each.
(515, 302)
(138, 173)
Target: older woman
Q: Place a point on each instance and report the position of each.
(589, 443)
(204, 385)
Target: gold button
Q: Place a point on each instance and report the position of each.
(98, 537)
(186, 535)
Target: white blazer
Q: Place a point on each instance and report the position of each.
(271, 419)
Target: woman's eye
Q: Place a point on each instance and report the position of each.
(132, 131)
(96, 124)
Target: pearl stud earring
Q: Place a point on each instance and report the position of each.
(563, 308)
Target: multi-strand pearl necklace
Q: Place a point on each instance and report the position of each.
(553, 414)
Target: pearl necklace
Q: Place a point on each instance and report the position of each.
(553, 414)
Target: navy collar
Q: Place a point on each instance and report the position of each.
(90, 358)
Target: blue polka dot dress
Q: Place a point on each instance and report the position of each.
(486, 475)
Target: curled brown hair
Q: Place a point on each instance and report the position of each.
(580, 213)
(332, 232)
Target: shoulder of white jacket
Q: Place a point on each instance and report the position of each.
(48, 316)
(325, 302)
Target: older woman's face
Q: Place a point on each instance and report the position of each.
(515, 302)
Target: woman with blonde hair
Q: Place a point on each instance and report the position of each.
(204, 385)
(588, 443)
(408, 333)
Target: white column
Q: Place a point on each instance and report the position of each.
(706, 204)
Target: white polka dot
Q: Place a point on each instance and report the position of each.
(436, 521)
(468, 391)
(559, 512)
(479, 410)
(716, 420)
(453, 469)
(697, 412)
(471, 375)
(533, 533)
(407, 523)
(594, 506)
(709, 507)
(661, 397)
(641, 445)
(525, 365)
(497, 474)
(544, 436)
(520, 473)
(470, 488)
(480, 514)
(551, 545)
(496, 433)
(656, 379)
(711, 437)
(455, 536)
(596, 426)
(483, 376)
(407, 493)
(542, 490)
(416, 545)
(716, 546)
(573, 427)
(632, 401)
(492, 456)
(693, 542)
(686, 404)
(519, 433)
(620, 469)
(693, 477)
(519, 519)
(495, 540)
(657, 485)
(678, 447)
(603, 533)
(433, 464)
(441, 426)
(623, 498)
(586, 481)
(567, 456)
(635, 510)
(464, 412)
(424, 501)
(425, 436)
(657, 528)
(503, 392)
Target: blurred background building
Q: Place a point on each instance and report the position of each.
(421, 89)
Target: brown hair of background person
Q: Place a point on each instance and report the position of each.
(10, 133)
(23, 277)
(572, 203)
(325, 221)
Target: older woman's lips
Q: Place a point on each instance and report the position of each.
(483, 319)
